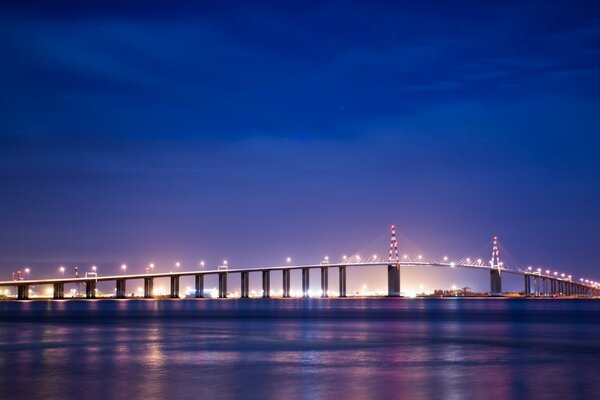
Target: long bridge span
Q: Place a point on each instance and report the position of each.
(536, 282)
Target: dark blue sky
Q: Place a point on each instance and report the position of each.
(191, 131)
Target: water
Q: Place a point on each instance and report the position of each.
(300, 349)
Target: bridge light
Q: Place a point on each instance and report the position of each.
(479, 261)
(555, 273)
(344, 257)
(547, 272)
(124, 267)
(151, 265)
(452, 264)
(419, 257)
(445, 258)
(539, 270)
(288, 260)
(178, 264)
(374, 256)
(405, 256)
(562, 275)
(468, 260)
(529, 268)
(581, 279)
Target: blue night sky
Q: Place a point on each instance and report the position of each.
(252, 132)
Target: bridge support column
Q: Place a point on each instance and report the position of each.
(286, 283)
(324, 282)
(342, 275)
(148, 287)
(90, 290)
(553, 286)
(527, 286)
(121, 289)
(495, 282)
(199, 281)
(59, 290)
(22, 292)
(393, 273)
(245, 285)
(305, 282)
(175, 287)
(536, 286)
(222, 285)
(266, 284)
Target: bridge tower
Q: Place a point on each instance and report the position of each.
(393, 266)
(495, 270)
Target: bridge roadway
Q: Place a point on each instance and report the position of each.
(543, 285)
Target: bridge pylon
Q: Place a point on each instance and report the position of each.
(393, 266)
(495, 270)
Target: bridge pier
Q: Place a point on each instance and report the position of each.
(90, 290)
(266, 284)
(342, 276)
(245, 285)
(174, 287)
(527, 286)
(536, 286)
(22, 292)
(223, 285)
(324, 282)
(199, 281)
(148, 287)
(286, 283)
(121, 289)
(393, 273)
(495, 282)
(59, 290)
(305, 282)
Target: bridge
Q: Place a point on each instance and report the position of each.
(536, 282)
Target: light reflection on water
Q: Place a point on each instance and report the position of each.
(307, 349)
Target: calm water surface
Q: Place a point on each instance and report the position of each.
(300, 349)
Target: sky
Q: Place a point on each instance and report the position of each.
(144, 132)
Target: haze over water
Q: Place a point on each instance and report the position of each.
(300, 348)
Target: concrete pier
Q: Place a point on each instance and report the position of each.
(59, 290)
(305, 282)
(245, 285)
(393, 273)
(22, 292)
(90, 290)
(266, 284)
(495, 282)
(121, 289)
(527, 291)
(199, 283)
(324, 282)
(342, 276)
(148, 288)
(175, 287)
(286, 283)
(222, 285)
